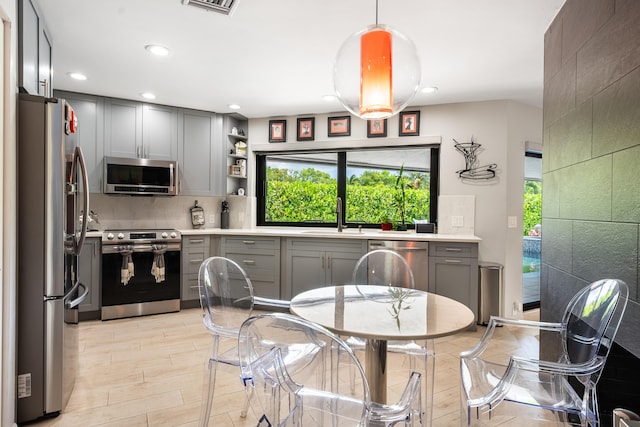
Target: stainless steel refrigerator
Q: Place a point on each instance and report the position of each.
(52, 194)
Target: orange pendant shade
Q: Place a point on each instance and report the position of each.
(376, 88)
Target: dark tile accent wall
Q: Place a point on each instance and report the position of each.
(591, 171)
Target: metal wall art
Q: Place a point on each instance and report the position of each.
(472, 171)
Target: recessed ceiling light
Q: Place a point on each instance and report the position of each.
(148, 95)
(430, 89)
(329, 98)
(234, 106)
(157, 49)
(77, 76)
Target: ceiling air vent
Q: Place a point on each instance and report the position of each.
(221, 6)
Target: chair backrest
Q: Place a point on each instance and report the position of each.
(383, 267)
(591, 320)
(226, 295)
(311, 367)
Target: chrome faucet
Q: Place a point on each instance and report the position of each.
(341, 226)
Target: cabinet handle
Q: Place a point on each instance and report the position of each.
(322, 261)
(248, 261)
(196, 261)
(194, 287)
(452, 261)
(328, 261)
(453, 250)
(249, 242)
(375, 244)
(196, 241)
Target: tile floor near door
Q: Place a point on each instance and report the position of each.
(148, 371)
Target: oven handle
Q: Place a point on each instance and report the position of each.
(114, 249)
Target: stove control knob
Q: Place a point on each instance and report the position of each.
(164, 235)
(120, 236)
(174, 235)
(110, 236)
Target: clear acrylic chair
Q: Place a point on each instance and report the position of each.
(298, 396)
(528, 383)
(385, 267)
(227, 300)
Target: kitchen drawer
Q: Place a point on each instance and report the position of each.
(192, 258)
(458, 250)
(190, 287)
(195, 241)
(334, 245)
(257, 267)
(266, 289)
(250, 244)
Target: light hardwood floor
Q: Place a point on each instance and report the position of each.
(148, 371)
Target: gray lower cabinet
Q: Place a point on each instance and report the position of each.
(195, 249)
(453, 272)
(259, 256)
(313, 263)
(89, 274)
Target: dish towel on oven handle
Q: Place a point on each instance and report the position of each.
(157, 269)
(126, 271)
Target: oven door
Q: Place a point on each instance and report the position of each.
(142, 287)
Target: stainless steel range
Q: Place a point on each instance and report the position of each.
(140, 272)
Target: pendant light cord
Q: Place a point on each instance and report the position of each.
(376, 13)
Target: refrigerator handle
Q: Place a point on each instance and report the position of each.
(76, 302)
(78, 158)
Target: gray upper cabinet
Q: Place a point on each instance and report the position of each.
(200, 153)
(90, 133)
(45, 70)
(34, 50)
(147, 131)
(159, 132)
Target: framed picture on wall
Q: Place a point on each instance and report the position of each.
(376, 128)
(277, 131)
(409, 123)
(306, 129)
(339, 126)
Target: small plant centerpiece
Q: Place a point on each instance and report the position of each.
(400, 187)
(399, 302)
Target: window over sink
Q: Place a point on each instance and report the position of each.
(301, 188)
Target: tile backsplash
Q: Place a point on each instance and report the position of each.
(145, 212)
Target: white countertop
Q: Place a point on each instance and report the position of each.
(349, 233)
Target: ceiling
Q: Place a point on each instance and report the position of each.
(275, 57)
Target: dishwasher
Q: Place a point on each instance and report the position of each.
(416, 254)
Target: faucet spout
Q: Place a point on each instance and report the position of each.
(341, 226)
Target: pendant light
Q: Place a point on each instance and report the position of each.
(377, 72)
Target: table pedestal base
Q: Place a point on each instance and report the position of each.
(375, 368)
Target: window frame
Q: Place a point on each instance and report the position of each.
(341, 183)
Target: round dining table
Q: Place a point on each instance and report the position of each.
(380, 314)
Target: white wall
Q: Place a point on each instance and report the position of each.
(8, 53)
(502, 128)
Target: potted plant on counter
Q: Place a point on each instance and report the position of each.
(399, 197)
(386, 224)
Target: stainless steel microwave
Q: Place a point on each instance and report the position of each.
(124, 175)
